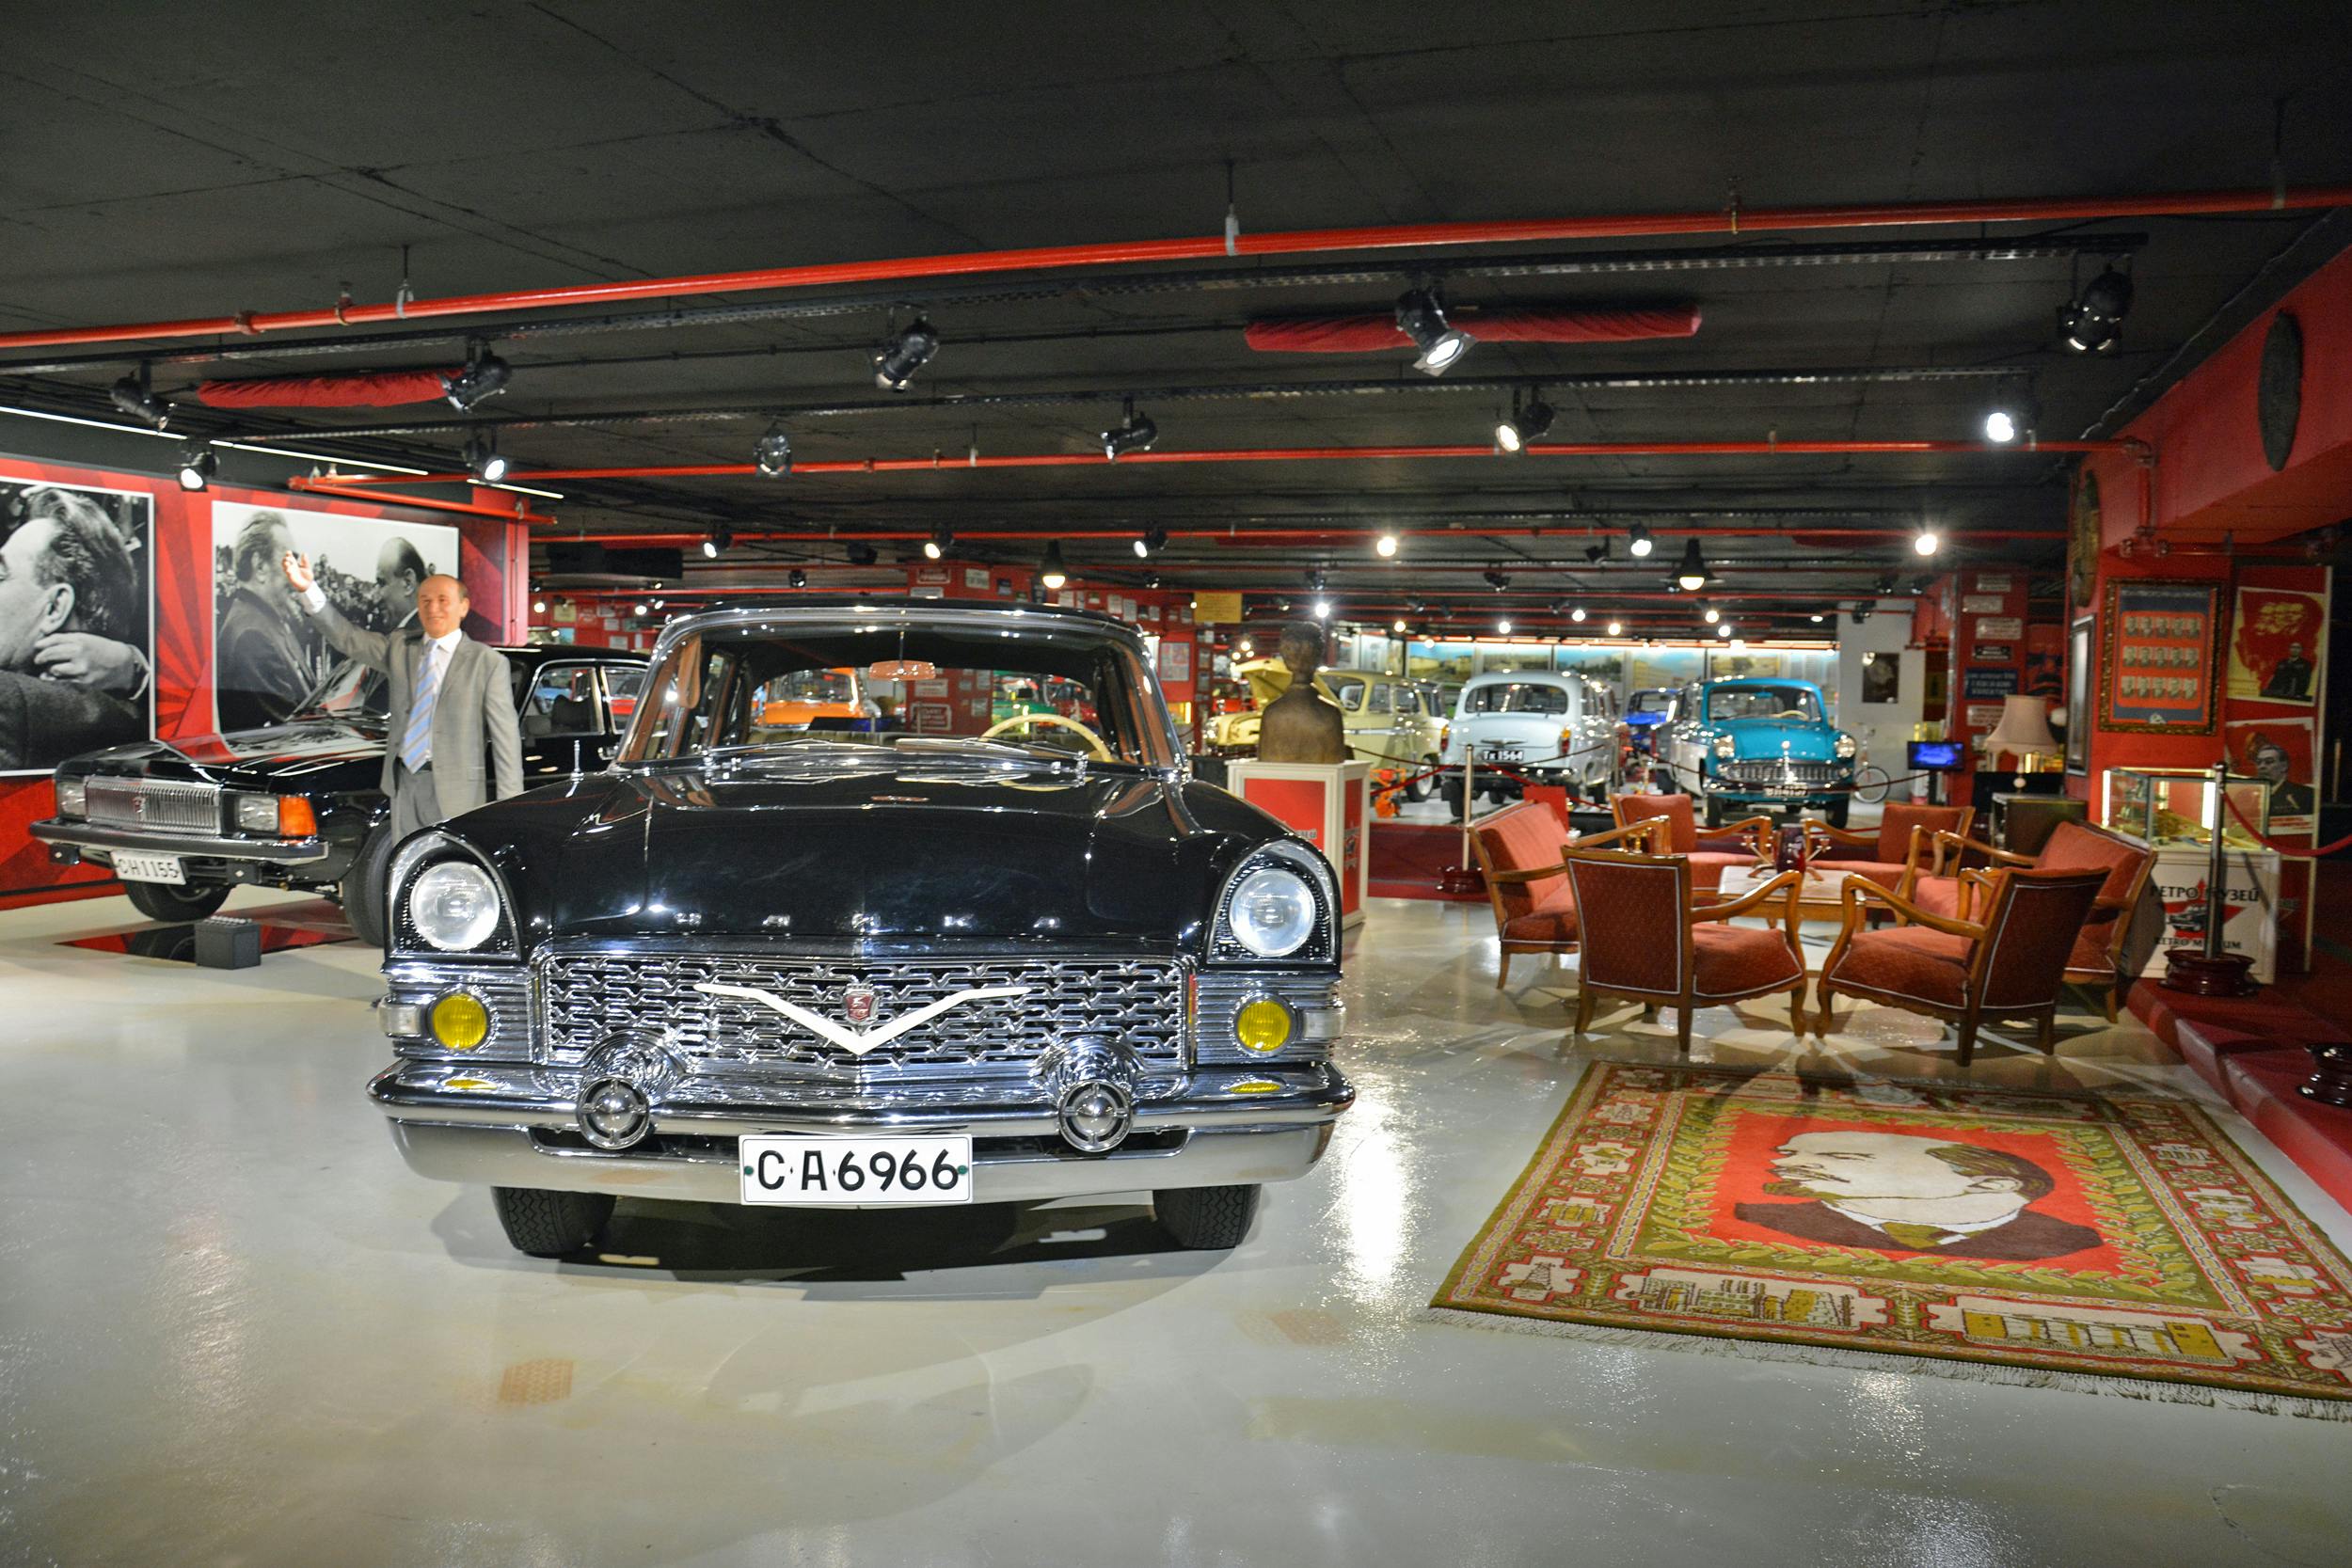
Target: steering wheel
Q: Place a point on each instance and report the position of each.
(1102, 753)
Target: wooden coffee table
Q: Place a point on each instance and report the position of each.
(1821, 898)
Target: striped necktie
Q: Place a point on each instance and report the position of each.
(416, 747)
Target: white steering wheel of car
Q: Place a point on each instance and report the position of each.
(1102, 753)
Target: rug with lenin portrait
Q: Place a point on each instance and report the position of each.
(2050, 1234)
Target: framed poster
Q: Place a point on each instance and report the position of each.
(2078, 696)
(2159, 657)
(2279, 751)
(2279, 646)
(77, 621)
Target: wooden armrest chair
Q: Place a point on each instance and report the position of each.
(1742, 843)
(1948, 886)
(1887, 853)
(2010, 963)
(1657, 945)
(1520, 849)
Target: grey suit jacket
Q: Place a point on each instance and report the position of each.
(473, 717)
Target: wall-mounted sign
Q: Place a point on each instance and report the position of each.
(1994, 582)
(1984, 716)
(1983, 604)
(2157, 657)
(977, 577)
(1983, 684)
(1217, 609)
(2007, 627)
(1996, 653)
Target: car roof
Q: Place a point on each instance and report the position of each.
(1550, 678)
(919, 608)
(545, 653)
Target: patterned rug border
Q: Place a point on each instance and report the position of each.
(1950, 1366)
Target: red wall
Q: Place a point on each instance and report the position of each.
(183, 633)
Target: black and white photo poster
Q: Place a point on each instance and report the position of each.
(77, 643)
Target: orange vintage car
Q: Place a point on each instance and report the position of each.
(794, 701)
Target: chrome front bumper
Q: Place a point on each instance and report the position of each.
(514, 1126)
(87, 836)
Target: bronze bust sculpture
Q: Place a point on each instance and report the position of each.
(1302, 724)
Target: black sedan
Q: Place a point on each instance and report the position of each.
(297, 804)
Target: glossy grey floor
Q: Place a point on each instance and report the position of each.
(233, 1329)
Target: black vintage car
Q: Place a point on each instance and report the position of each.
(297, 804)
(924, 956)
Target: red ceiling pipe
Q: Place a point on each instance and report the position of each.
(334, 487)
(1306, 242)
(1276, 455)
(1291, 536)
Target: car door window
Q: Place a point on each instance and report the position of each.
(1349, 694)
(1378, 700)
(562, 701)
(622, 685)
(1407, 702)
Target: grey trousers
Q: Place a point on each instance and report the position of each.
(415, 802)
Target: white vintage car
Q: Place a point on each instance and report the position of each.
(1555, 729)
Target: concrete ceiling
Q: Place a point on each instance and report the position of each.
(181, 161)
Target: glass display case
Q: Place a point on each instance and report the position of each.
(2168, 806)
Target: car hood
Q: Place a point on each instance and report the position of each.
(896, 852)
(1754, 739)
(293, 756)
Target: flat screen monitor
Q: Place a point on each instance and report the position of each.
(1934, 753)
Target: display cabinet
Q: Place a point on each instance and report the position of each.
(2168, 806)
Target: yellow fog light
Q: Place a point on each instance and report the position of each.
(1262, 1026)
(459, 1022)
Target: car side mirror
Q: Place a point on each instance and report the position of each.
(1209, 768)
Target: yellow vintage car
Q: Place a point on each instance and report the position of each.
(1389, 718)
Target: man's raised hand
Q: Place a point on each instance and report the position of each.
(297, 572)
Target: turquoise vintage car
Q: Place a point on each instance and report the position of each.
(1750, 745)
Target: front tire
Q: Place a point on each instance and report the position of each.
(1714, 812)
(1421, 789)
(1206, 1218)
(174, 905)
(550, 1225)
(1838, 811)
(363, 890)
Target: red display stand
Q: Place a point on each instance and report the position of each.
(1327, 804)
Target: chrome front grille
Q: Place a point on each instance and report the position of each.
(585, 998)
(154, 805)
(1776, 772)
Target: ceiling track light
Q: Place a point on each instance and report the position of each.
(1927, 541)
(1525, 425)
(1711, 615)
(716, 544)
(935, 548)
(1421, 316)
(908, 351)
(485, 375)
(1577, 614)
(135, 395)
(1385, 547)
(1616, 628)
(483, 460)
(1150, 543)
(1051, 570)
(1134, 433)
(1504, 625)
(1723, 629)
(772, 452)
(1323, 609)
(197, 465)
(1498, 580)
(1639, 534)
(864, 554)
(796, 578)
(1691, 575)
(2093, 323)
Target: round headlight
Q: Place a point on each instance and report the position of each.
(1263, 1027)
(1845, 746)
(1273, 912)
(1726, 746)
(459, 1022)
(455, 906)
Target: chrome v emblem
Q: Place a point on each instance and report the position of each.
(851, 1040)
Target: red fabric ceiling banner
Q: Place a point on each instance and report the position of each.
(369, 389)
(1537, 323)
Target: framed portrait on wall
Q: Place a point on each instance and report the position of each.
(77, 621)
(2159, 657)
(2279, 646)
(2078, 654)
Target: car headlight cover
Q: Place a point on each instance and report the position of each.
(72, 797)
(1273, 912)
(1726, 746)
(455, 906)
(257, 814)
(1845, 748)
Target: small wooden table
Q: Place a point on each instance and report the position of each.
(1821, 897)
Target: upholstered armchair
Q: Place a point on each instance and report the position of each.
(1520, 849)
(1905, 836)
(1943, 887)
(1645, 937)
(2009, 962)
(1742, 843)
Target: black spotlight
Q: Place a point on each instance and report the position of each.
(1525, 425)
(196, 466)
(1597, 553)
(773, 453)
(935, 548)
(716, 546)
(907, 352)
(485, 375)
(1421, 316)
(1639, 532)
(2094, 324)
(864, 554)
(796, 578)
(1691, 575)
(1498, 580)
(483, 459)
(1150, 541)
(1136, 433)
(1051, 570)
(135, 395)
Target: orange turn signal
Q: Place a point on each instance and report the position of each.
(294, 818)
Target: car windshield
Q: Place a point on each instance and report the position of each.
(1051, 691)
(1650, 702)
(1763, 701)
(1516, 697)
(1347, 689)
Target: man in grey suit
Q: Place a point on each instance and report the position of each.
(452, 702)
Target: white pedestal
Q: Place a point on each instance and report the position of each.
(2253, 924)
(1327, 804)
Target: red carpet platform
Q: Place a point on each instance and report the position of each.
(1408, 857)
